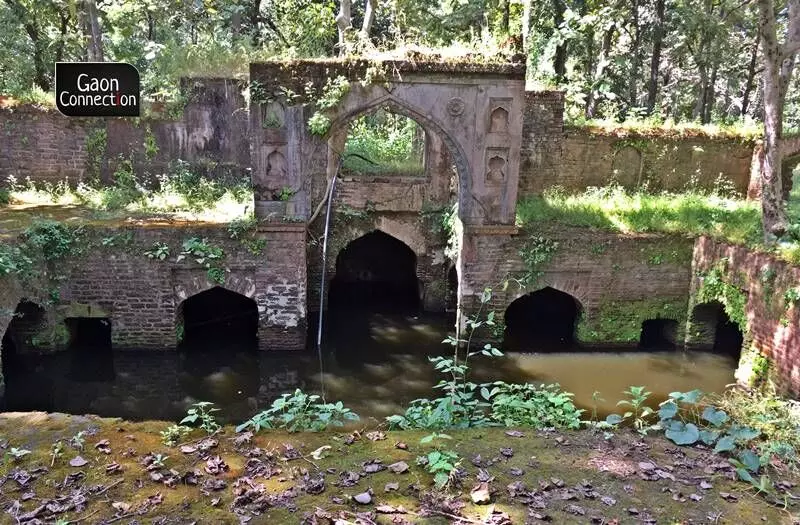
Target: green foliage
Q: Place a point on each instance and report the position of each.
(202, 414)
(285, 194)
(527, 405)
(384, 142)
(206, 255)
(17, 453)
(13, 260)
(442, 463)
(622, 321)
(715, 287)
(173, 434)
(638, 414)
(150, 145)
(332, 93)
(54, 240)
(245, 230)
(300, 411)
(159, 251)
(319, 124)
(613, 208)
(535, 253)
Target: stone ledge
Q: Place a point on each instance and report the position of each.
(491, 229)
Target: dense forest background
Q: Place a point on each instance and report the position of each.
(685, 60)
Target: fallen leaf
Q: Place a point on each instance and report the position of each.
(77, 461)
(401, 445)
(391, 486)
(399, 467)
(515, 433)
(121, 506)
(376, 435)
(364, 498)
(188, 449)
(480, 494)
(389, 509)
(320, 452)
(103, 446)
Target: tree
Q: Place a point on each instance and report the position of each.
(91, 31)
(779, 59)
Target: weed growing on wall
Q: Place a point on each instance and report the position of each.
(714, 287)
(334, 91)
(535, 253)
(205, 254)
(621, 321)
(245, 230)
(300, 411)
(96, 146)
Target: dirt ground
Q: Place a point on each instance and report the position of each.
(114, 474)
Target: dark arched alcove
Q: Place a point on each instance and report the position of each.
(375, 273)
(542, 321)
(217, 316)
(712, 325)
(658, 334)
(91, 358)
(23, 389)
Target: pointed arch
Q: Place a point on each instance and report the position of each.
(543, 320)
(217, 314)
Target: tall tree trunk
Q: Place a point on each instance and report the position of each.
(708, 103)
(633, 79)
(344, 22)
(751, 76)
(778, 67)
(91, 31)
(655, 58)
(369, 18)
(505, 16)
(592, 100)
(526, 25)
(560, 59)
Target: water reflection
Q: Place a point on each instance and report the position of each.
(376, 370)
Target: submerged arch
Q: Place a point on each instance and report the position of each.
(544, 320)
(215, 315)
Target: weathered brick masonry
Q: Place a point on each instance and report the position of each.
(211, 135)
(773, 324)
(632, 278)
(141, 296)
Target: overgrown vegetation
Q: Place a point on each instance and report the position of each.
(383, 142)
(622, 320)
(180, 191)
(300, 411)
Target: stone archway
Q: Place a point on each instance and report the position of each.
(477, 111)
(543, 320)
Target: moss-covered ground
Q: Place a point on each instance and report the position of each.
(274, 477)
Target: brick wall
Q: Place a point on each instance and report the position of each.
(635, 276)
(773, 326)
(42, 144)
(211, 135)
(581, 158)
(141, 296)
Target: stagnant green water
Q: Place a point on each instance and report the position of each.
(375, 364)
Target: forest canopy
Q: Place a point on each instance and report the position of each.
(696, 60)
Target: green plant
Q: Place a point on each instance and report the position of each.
(532, 406)
(443, 464)
(159, 251)
(461, 406)
(150, 145)
(203, 413)
(159, 460)
(715, 287)
(78, 440)
(56, 451)
(285, 194)
(206, 255)
(319, 124)
(52, 239)
(17, 454)
(300, 412)
(535, 253)
(96, 146)
(639, 413)
(173, 434)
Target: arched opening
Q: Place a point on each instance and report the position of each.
(711, 327)
(384, 142)
(375, 273)
(542, 321)
(91, 358)
(217, 318)
(452, 289)
(658, 334)
(25, 390)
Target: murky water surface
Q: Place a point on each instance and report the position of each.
(375, 364)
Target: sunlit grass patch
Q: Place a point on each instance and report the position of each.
(616, 209)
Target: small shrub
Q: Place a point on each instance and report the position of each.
(533, 406)
(173, 434)
(443, 464)
(300, 412)
(158, 251)
(202, 413)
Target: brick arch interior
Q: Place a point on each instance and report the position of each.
(545, 319)
(215, 314)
